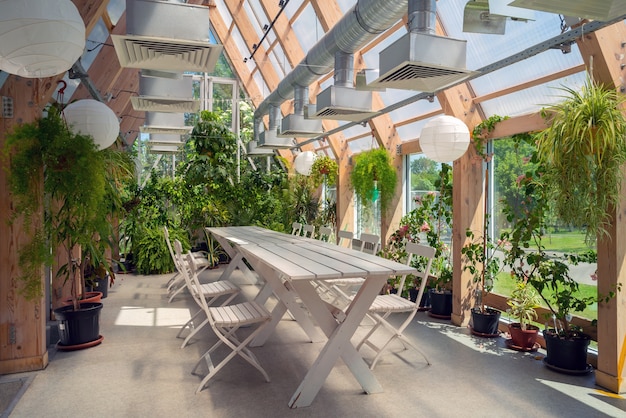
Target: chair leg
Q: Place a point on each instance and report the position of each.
(189, 323)
(171, 282)
(176, 292)
(239, 348)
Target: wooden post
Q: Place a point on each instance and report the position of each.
(22, 322)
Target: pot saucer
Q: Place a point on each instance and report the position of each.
(586, 370)
(509, 344)
(432, 315)
(482, 334)
(88, 344)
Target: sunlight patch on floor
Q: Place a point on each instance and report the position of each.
(588, 396)
(152, 317)
(482, 345)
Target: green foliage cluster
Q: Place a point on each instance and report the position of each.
(528, 259)
(65, 174)
(323, 169)
(430, 222)
(582, 151)
(374, 173)
(523, 303)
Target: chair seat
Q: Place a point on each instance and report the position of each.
(391, 303)
(240, 314)
(221, 287)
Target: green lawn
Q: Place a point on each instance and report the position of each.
(567, 242)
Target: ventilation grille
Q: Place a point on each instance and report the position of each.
(178, 130)
(412, 76)
(337, 113)
(416, 62)
(166, 143)
(343, 103)
(164, 104)
(253, 150)
(295, 125)
(166, 54)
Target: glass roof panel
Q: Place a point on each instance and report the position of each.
(115, 8)
(256, 18)
(224, 13)
(303, 26)
(95, 40)
(346, 5)
(525, 101)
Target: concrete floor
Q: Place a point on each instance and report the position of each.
(140, 370)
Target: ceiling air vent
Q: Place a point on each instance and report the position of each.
(343, 103)
(253, 150)
(165, 95)
(165, 123)
(295, 125)
(603, 10)
(269, 138)
(166, 36)
(416, 62)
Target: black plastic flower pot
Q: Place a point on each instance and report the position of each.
(440, 303)
(567, 353)
(485, 323)
(79, 326)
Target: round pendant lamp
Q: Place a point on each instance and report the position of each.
(91, 117)
(40, 38)
(444, 139)
(304, 162)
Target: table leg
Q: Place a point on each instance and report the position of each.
(236, 261)
(286, 301)
(339, 341)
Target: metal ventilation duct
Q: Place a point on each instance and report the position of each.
(421, 60)
(342, 101)
(269, 138)
(167, 36)
(165, 95)
(296, 125)
(360, 25)
(165, 123)
(253, 150)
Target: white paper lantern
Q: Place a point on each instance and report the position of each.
(40, 38)
(304, 162)
(91, 117)
(444, 139)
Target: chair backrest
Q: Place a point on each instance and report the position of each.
(325, 233)
(190, 274)
(424, 251)
(344, 238)
(296, 228)
(369, 243)
(169, 247)
(309, 231)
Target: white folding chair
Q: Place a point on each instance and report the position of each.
(385, 305)
(210, 292)
(177, 284)
(309, 231)
(296, 228)
(344, 238)
(325, 233)
(370, 243)
(225, 321)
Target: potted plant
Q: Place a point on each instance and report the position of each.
(583, 151)
(522, 307)
(482, 260)
(547, 273)
(324, 170)
(431, 221)
(73, 190)
(374, 177)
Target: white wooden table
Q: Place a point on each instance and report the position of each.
(289, 265)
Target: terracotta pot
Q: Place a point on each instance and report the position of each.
(90, 297)
(524, 339)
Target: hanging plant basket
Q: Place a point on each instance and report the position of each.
(374, 176)
(323, 169)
